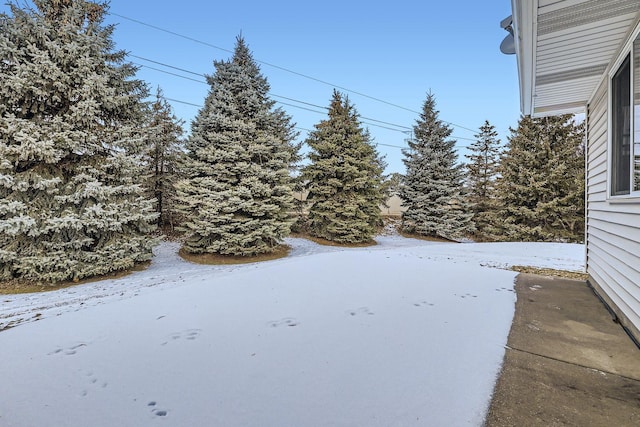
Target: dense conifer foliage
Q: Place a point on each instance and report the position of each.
(237, 197)
(482, 173)
(344, 179)
(433, 185)
(541, 185)
(70, 113)
(163, 153)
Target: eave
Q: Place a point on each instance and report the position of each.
(564, 49)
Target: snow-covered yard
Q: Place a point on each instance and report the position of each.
(407, 332)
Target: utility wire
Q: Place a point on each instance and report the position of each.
(272, 94)
(168, 65)
(205, 83)
(283, 69)
(284, 103)
(184, 102)
(308, 130)
(296, 127)
(170, 32)
(302, 108)
(169, 72)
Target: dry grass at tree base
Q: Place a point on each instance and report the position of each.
(550, 272)
(10, 287)
(393, 226)
(216, 259)
(21, 287)
(325, 242)
(427, 238)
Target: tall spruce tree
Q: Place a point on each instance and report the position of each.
(433, 183)
(344, 178)
(541, 185)
(482, 172)
(237, 196)
(162, 156)
(395, 181)
(70, 203)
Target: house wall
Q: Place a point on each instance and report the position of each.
(394, 206)
(613, 226)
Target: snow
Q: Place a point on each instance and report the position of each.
(407, 332)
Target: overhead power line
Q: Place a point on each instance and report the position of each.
(184, 102)
(297, 127)
(272, 94)
(306, 76)
(301, 108)
(283, 103)
(168, 66)
(169, 72)
(170, 32)
(307, 130)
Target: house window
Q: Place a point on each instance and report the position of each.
(621, 129)
(636, 115)
(625, 125)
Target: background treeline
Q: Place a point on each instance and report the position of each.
(92, 167)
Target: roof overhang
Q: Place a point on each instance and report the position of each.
(565, 47)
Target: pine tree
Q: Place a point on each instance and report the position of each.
(541, 187)
(395, 182)
(433, 184)
(237, 196)
(344, 177)
(162, 155)
(482, 172)
(70, 203)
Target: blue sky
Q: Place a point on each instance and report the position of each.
(393, 51)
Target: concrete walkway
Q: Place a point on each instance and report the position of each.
(567, 363)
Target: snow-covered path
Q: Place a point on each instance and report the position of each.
(404, 333)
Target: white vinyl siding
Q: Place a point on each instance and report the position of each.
(613, 227)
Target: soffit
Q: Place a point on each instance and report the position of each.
(574, 42)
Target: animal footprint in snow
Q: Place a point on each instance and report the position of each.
(361, 310)
(423, 304)
(93, 382)
(466, 296)
(189, 334)
(192, 334)
(69, 351)
(156, 411)
(287, 321)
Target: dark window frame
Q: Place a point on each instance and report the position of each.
(621, 129)
(624, 142)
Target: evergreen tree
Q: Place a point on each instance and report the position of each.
(344, 178)
(70, 203)
(163, 153)
(482, 172)
(541, 187)
(433, 184)
(395, 182)
(237, 195)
